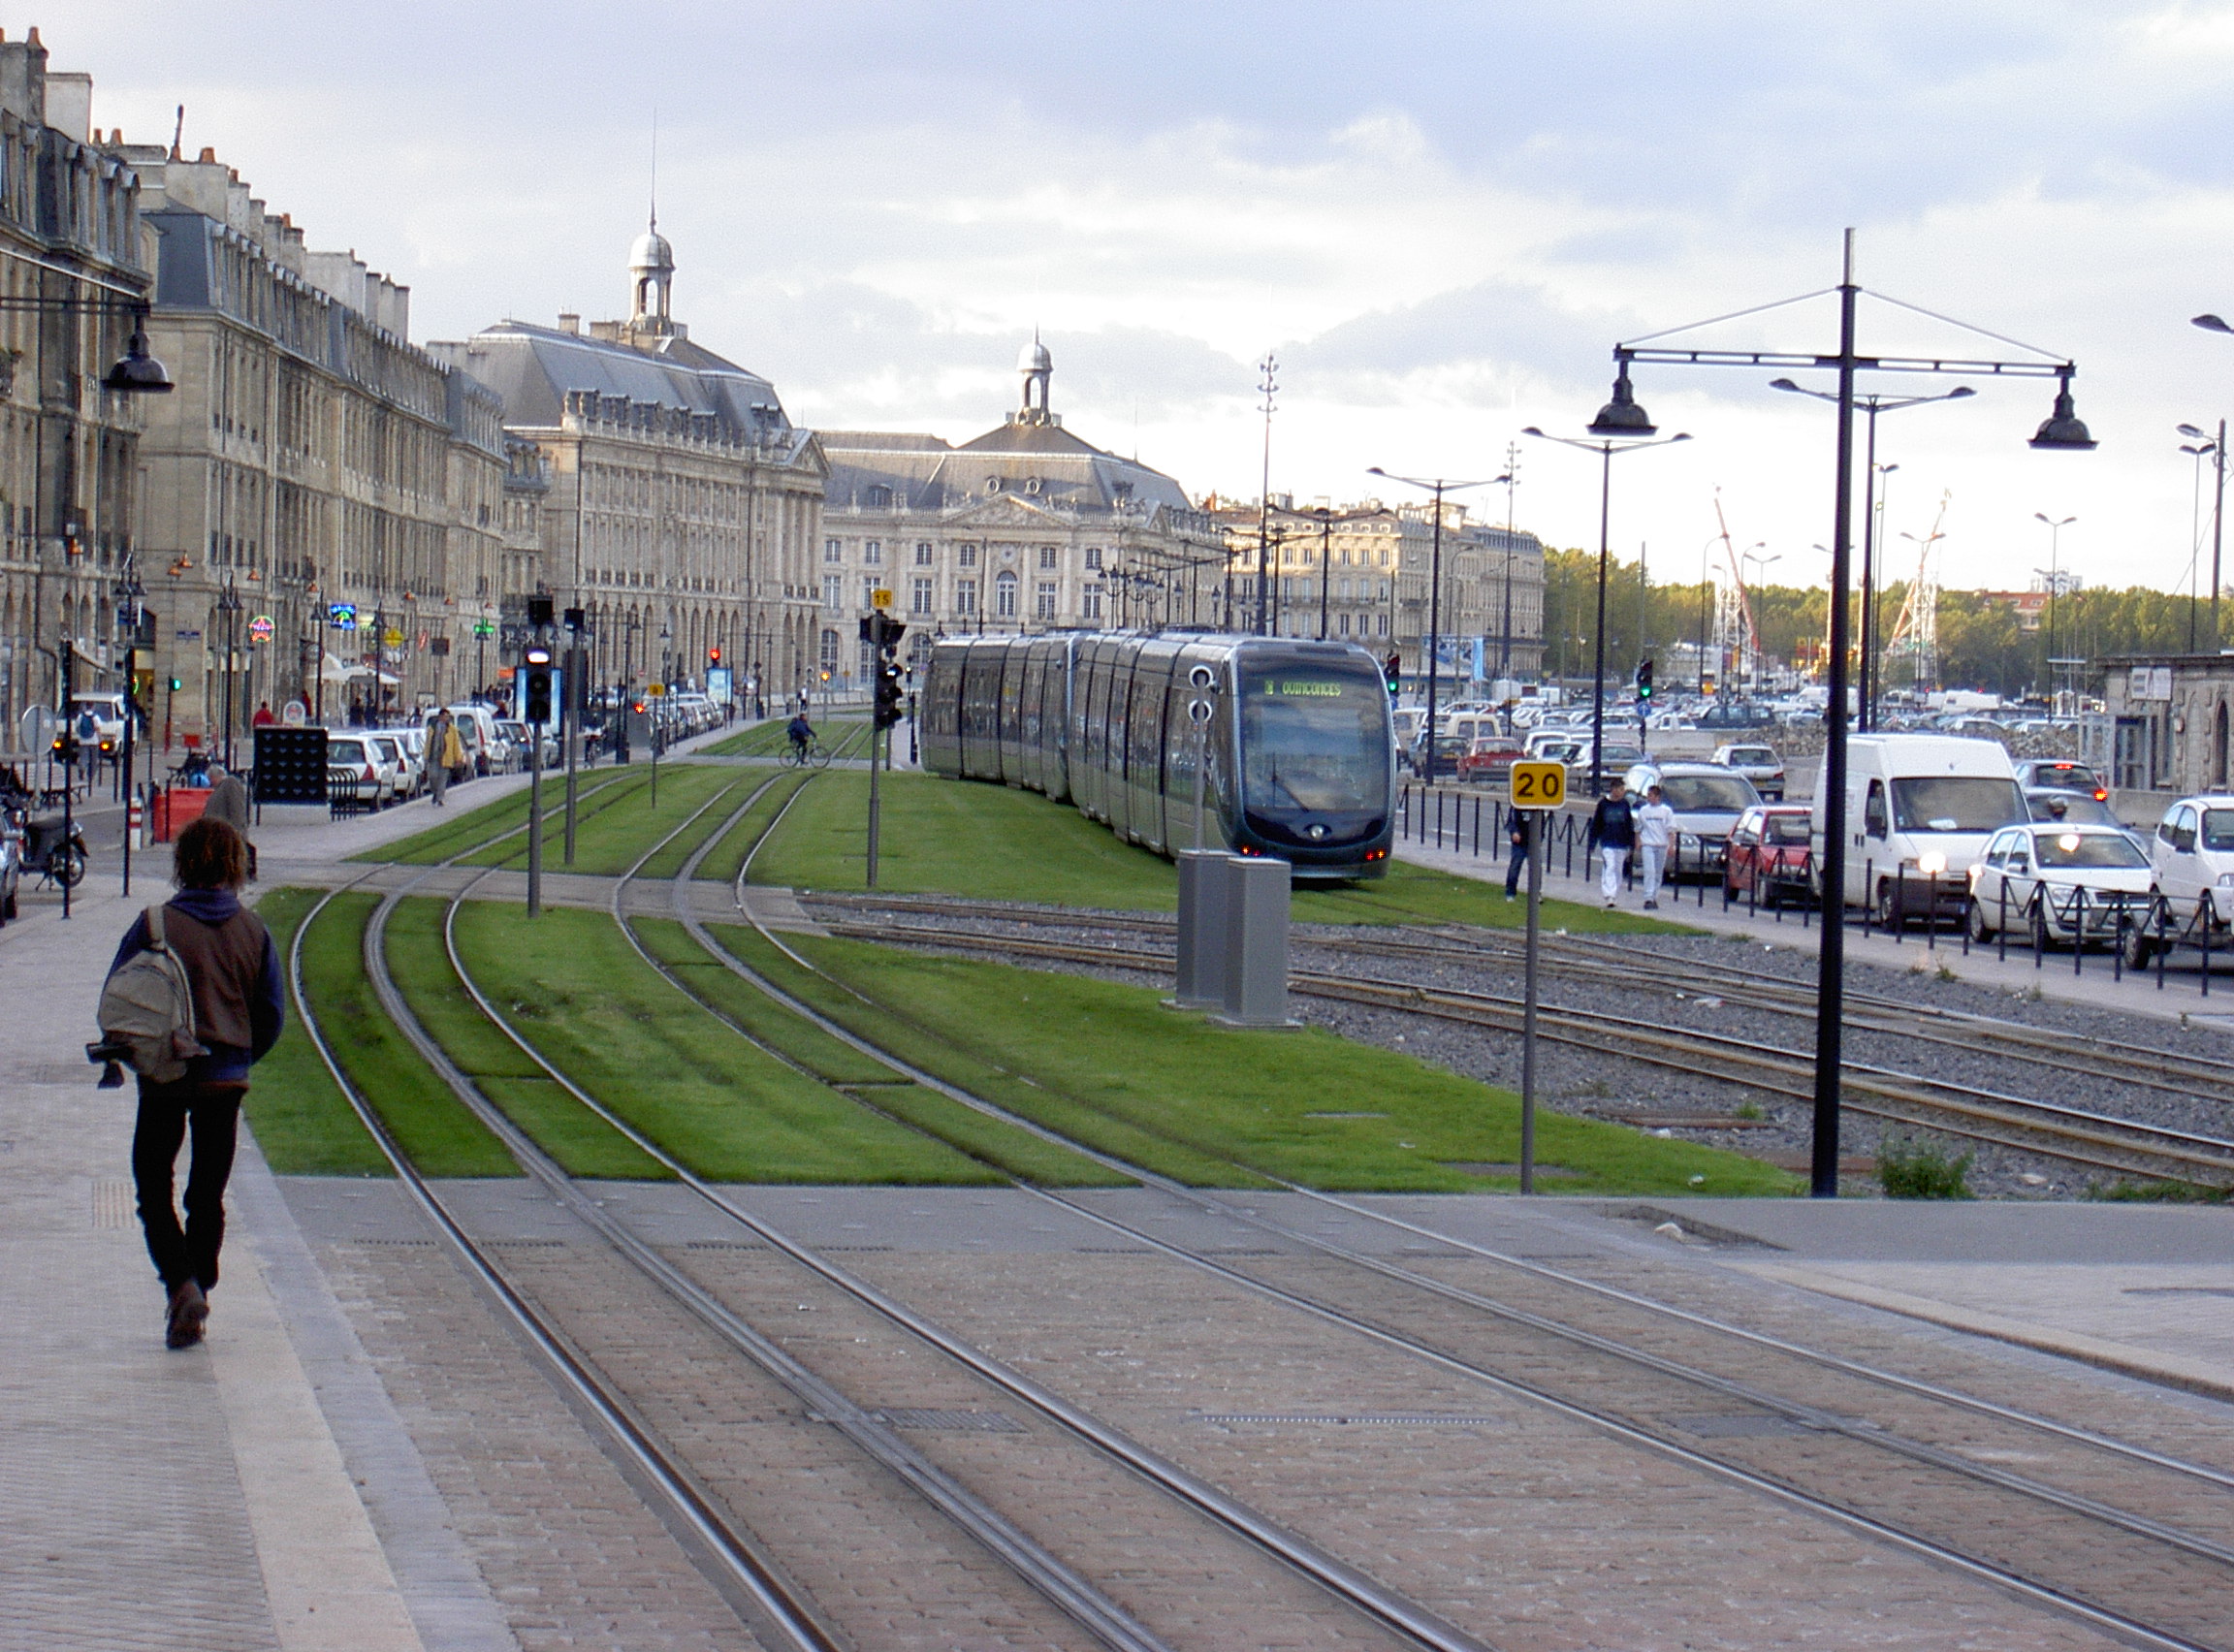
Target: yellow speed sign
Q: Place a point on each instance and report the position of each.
(1539, 785)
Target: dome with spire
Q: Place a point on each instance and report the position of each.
(1033, 357)
(650, 252)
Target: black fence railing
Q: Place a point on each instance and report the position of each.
(2135, 930)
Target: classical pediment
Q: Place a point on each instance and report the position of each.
(1010, 510)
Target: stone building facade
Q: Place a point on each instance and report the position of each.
(1365, 570)
(1025, 527)
(661, 488)
(71, 243)
(2166, 727)
(320, 499)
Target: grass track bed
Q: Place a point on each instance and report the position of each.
(303, 1122)
(429, 1122)
(608, 839)
(478, 826)
(943, 836)
(1198, 1093)
(571, 985)
(769, 739)
(727, 857)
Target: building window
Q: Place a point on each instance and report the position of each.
(829, 654)
(1090, 605)
(1047, 557)
(833, 551)
(992, 484)
(1044, 607)
(922, 553)
(965, 596)
(1345, 622)
(1093, 557)
(965, 555)
(878, 497)
(1005, 596)
(834, 591)
(919, 597)
(1382, 625)
(869, 589)
(873, 552)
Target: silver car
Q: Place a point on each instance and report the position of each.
(1708, 800)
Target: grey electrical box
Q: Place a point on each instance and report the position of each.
(1255, 963)
(1205, 879)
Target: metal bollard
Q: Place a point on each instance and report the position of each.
(2002, 930)
(2078, 929)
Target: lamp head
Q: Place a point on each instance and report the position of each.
(1621, 416)
(2062, 428)
(2189, 432)
(1375, 470)
(1786, 384)
(139, 373)
(1960, 392)
(2211, 324)
(1532, 430)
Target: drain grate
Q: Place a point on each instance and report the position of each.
(1353, 1419)
(952, 1421)
(1743, 1427)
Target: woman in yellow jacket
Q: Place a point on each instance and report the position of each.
(445, 753)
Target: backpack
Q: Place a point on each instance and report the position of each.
(147, 1006)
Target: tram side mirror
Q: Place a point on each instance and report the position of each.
(1204, 677)
(1199, 712)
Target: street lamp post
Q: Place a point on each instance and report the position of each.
(1438, 486)
(2215, 448)
(2056, 527)
(229, 605)
(2212, 324)
(1621, 427)
(2061, 431)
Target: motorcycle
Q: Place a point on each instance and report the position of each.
(10, 868)
(41, 845)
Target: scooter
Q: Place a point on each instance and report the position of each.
(42, 847)
(10, 866)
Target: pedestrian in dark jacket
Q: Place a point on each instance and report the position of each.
(1517, 836)
(238, 1013)
(1612, 835)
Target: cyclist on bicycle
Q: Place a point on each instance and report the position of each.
(802, 733)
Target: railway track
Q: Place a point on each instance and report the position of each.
(1369, 1312)
(1885, 1453)
(2096, 1141)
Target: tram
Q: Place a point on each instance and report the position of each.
(1297, 757)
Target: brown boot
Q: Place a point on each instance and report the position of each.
(189, 1312)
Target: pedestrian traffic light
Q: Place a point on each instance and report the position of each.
(714, 658)
(1392, 671)
(537, 690)
(1645, 679)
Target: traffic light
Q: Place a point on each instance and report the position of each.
(888, 694)
(539, 610)
(1645, 682)
(714, 658)
(1392, 671)
(537, 690)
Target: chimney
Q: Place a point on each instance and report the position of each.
(570, 324)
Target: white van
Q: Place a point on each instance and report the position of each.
(483, 746)
(1919, 810)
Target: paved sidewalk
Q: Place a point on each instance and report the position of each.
(2179, 999)
(182, 1499)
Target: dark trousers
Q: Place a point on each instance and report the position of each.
(1517, 864)
(166, 1110)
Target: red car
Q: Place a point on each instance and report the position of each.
(1770, 858)
(1489, 758)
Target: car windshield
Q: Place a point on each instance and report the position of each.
(1956, 803)
(1707, 794)
(1787, 829)
(2089, 849)
(1315, 738)
(2219, 829)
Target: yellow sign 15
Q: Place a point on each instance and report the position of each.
(880, 599)
(1539, 785)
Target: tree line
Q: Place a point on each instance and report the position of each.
(1984, 644)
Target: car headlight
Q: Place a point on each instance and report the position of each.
(2226, 880)
(1687, 840)
(1932, 863)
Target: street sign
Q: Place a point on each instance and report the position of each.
(880, 599)
(656, 689)
(392, 637)
(341, 616)
(1539, 785)
(260, 629)
(484, 628)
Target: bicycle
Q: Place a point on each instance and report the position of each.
(810, 753)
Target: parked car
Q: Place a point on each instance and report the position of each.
(2059, 774)
(1759, 764)
(2193, 854)
(2064, 882)
(1708, 800)
(1490, 757)
(375, 771)
(1919, 810)
(1770, 858)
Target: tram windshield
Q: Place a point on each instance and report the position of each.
(1314, 741)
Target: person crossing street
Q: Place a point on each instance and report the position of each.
(1612, 835)
(1655, 832)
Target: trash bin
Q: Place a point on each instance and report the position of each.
(178, 808)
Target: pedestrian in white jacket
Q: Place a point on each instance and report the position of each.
(1655, 832)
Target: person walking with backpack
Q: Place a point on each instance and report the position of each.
(1612, 835)
(233, 1018)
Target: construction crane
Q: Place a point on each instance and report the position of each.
(1736, 640)
(1916, 633)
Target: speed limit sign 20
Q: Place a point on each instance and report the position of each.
(1539, 785)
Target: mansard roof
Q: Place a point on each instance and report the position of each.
(533, 369)
(1041, 464)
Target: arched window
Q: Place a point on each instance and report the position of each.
(830, 652)
(1005, 596)
(878, 497)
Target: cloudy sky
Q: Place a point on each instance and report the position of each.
(1438, 216)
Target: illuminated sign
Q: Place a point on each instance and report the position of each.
(341, 616)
